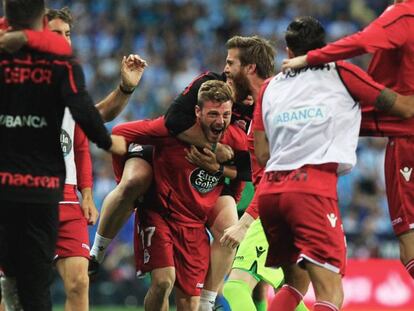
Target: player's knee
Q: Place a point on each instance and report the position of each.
(162, 286)
(330, 292)
(162, 289)
(77, 285)
(134, 185)
(218, 248)
(220, 225)
(406, 242)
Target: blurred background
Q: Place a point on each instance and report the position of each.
(181, 38)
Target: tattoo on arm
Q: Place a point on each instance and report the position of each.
(385, 100)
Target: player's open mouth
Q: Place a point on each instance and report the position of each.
(217, 131)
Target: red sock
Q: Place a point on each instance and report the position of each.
(410, 267)
(286, 299)
(324, 306)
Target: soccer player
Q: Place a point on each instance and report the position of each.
(306, 132)
(389, 38)
(180, 120)
(173, 244)
(35, 88)
(72, 252)
(248, 267)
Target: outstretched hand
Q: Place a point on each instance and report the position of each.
(132, 69)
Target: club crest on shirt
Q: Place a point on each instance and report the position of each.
(203, 181)
(65, 142)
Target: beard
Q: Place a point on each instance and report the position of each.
(210, 129)
(241, 87)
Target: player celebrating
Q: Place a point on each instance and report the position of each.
(242, 279)
(174, 246)
(36, 87)
(258, 61)
(389, 39)
(72, 251)
(306, 132)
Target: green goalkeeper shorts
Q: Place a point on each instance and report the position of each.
(251, 256)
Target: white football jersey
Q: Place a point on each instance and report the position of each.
(310, 118)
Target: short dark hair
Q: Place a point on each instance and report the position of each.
(23, 13)
(255, 50)
(64, 14)
(214, 90)
(305, 34)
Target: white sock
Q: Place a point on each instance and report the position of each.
(9, 293)
(100, 244)
(207, 300)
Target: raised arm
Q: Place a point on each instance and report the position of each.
(368, 92)
(388, 31)
(83, 111)
(132, 69)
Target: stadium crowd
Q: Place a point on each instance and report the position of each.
(180, 39)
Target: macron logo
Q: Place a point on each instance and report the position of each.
(406, 172)
(332, 219)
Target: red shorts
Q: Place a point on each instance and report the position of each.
(165, 243)
(73, 238)
(399, 180)
(301, 226)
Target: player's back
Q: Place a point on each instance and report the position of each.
(31, 111)
(309, 118)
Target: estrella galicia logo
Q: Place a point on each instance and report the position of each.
(65, 142)
(203, 181)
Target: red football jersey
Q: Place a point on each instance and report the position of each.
(186, 192)
(390, 39)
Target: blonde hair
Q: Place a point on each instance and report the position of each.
(214, 90)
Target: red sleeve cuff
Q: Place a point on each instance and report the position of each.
(252, 213)
(253, 210)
